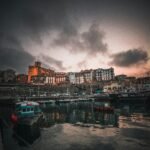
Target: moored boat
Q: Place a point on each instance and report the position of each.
(27, 109)
(26, 119)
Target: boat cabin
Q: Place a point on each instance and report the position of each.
(27, 109)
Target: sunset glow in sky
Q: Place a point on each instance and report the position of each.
(70, 35)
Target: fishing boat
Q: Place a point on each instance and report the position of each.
(27, 109)
(26, 119)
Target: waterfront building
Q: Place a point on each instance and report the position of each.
(22, 78)
(143, 80)
(143, 83)
(130, 79)
(113, 87)
(38, 80)
(43, 80)
(38, 70)
(98, 74)
(79, 78)
(72, 77)
(121, 77)
(104, 74)
(7, 76)
(50, 80)
(60, 78)
(88, 75)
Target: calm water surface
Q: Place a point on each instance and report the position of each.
(70, 126)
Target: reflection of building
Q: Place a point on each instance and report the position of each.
(22, 78)
(37, 70)
(104, 74)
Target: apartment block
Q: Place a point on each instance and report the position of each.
(104, 74)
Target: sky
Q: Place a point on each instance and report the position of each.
(73, 35)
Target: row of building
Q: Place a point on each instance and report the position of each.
(122, 83)
(39, 75)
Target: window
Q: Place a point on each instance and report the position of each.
(24, 110)
(36, 108)
(28, 109)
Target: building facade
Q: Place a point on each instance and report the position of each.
(22, 78)
(38, 70)
(38, 80)
(50, 80)
(121, 77)
(8, 75)
(88, 76)
(37, 73)
(60, 78)
(104, 74)
(113, 86)
(79, 78)
(72, 77)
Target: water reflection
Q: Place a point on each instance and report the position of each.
(74, 112)
(133, 131)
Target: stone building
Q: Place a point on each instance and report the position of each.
(38, 70)
(104, 74)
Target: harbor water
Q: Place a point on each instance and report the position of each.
(83, 126)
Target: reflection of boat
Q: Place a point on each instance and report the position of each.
(104, 109)
(103, 106)
(104, 113)
(26, 119)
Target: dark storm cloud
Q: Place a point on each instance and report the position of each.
(90, 41)
(51, 62)
(32, 18)
(22, 20)
(15, 59)
(93, 40)
(130, 58)
(66, 37)
(12, 55)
